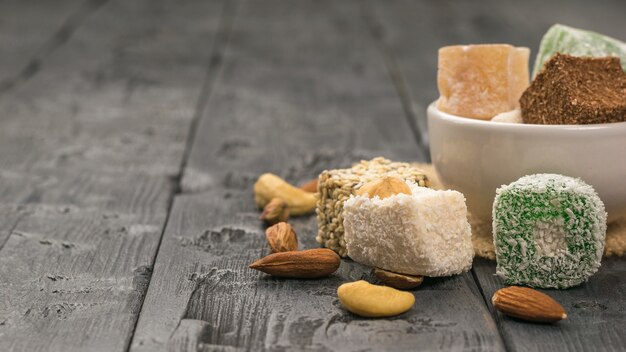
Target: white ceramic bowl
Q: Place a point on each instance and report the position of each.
(475, 157)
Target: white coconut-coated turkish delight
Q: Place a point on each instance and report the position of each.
(425, 233)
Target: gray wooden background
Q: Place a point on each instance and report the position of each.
(131, 133)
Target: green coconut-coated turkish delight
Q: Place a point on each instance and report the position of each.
(548, 231)
(577, 42)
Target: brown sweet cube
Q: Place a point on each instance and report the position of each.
(481, 81)
(575, 90)
(336, 186)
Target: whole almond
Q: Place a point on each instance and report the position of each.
(399, 281)
(275, 211)
(310, 186)
(528, 304)
(384, 187)
(308, 264)
(281, 238)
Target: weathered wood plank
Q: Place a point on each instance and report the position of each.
(188, 335)
(118, 96)
(74, 278)
(92, 146)
(10, 216)
(289, 71)
(27, 31)
(596, 315)
(302, 88)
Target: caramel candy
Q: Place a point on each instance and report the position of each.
(481, 81)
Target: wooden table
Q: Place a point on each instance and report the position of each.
(132, 132)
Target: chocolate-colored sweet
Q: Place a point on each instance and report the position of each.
(576, 90)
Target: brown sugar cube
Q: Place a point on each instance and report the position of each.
(575, 90)
(481, 81)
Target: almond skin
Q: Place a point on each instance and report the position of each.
(528, 304)
(275, 211)
(308, 264)
(310, 186)
(281, 238)
(384, 187)
(399, 281)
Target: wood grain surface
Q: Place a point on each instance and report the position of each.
(92, 145)
(596, 313)
(27, 36)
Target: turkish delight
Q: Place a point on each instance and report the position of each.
(481, 81)
(548, 231)
(577, 42)
(576, 90)
(336, 186)
(422, 233)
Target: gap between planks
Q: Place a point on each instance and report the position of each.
(226, 21)
(85, 212)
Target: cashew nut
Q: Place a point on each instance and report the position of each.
(362, 298)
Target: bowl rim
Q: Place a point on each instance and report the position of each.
(471, 122)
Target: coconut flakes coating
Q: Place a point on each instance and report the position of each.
(425, 233)
(336, 186)
(548, 231)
